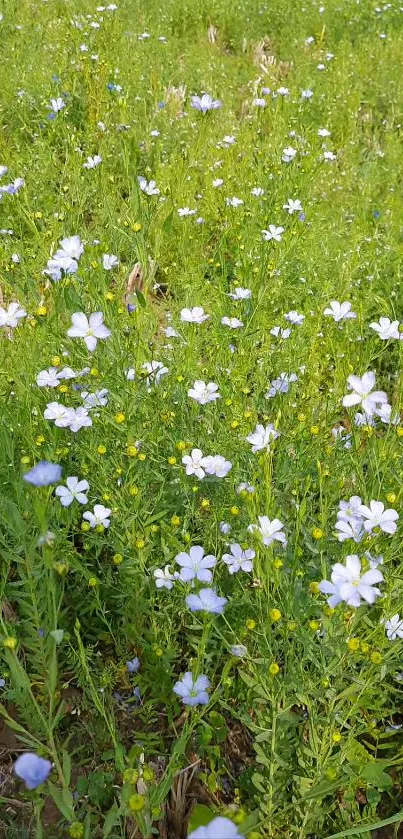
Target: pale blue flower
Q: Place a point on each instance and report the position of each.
(32, 769)
(192, 691)
(219, 828)
(133, 666)
(43, 474)
(207, 600)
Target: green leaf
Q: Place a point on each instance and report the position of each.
(111, 819)
(167, 223)
(247, 679)
(201, 815)
(63, 800)
(66, 766)
(367, 828)
(373, 774)
(141, 299)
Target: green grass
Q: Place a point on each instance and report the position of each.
(301, 736)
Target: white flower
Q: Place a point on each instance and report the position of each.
(376, 516)
(164, 578)
(61, 415)
(195, 565)
(384, 412)
(204, 393)
(225, 528)
(238, 650)
(293, 206)
(350, 509)
(74, 490)
(350, 529)
(283, 91)
(239, 559)
(233, 202)
(148, 187)
(109, 261)
(271, 531)
(329, 155)
(10, 316)
(186, 211)
(205, 103)
(57, 105)
(279, 332)
(393, 627)
(92, 162)
(48, 378)
(193, 463)
(386, 329)
(262, 437)
(323, 132)
(349, 586)
(288, 154)
(257, 191)
(259, 103)
(100, 516)
(70, 248)
(363, 393)
(240, 293)
(280, 385)
(339, 311)
(217, 183)
(273, 233)
(89, 329)
(95, 400)
(215, 464)
(232, 323)
(294, 317)
(195, 315)
(79, 418)
(306, 94)
(155, 370)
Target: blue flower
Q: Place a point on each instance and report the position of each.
(193, 691)
(32, 769)
(133, 666)
(207, 600)
(2, 683)
(43, 474)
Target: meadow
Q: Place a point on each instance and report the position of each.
(201, 431)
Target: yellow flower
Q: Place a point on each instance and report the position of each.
(175, 521)
(353, 644)
(117, 559)
(205, 503)
(172, 461)
(234, 510)
(131, 451)
(277, 564)
(94, 372)
(137, 802)
(76, 830)
(140, 544)
(234, 424)
(133, 490)
(119, 418)
(55, 360)
(314, 625)
(85, 526)
(63, 389)
(317, 533)
(399, 431)
(314, 587)
(10, 642)
(336, 737)
(391, 497)
(39, 440)
(25, 460)
(142, 457)
(250, 624)
(301, 417)
(314, 430)
(181, 446)
(376, 658)
(101, 449)
(131, 776)
(159, 652)
(109, 296)
(275, 615)
(61, 568)
(92, 582)
(41, 311)
(364, 647)
(274, 668)
(136, 227)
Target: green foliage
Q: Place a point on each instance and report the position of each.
(302, 733)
